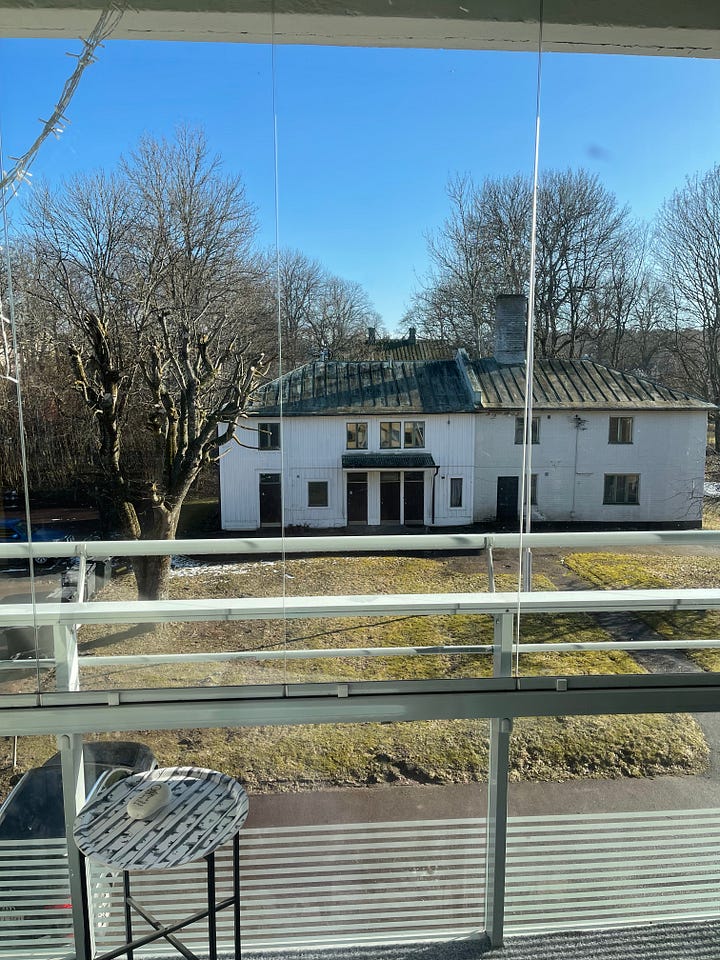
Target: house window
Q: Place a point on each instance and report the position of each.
(533, 489)
(621, 430)
(389, 434)
(268, 436)
(414, 433)
(356, 436)
(622, 488)
(317, 493)
(456, 491)
(520, 429)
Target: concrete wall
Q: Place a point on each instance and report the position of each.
(312, 449)
(573, 456)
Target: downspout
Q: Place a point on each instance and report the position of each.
(432, 521)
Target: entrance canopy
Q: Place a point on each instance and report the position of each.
(387, 461)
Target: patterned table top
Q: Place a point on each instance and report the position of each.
(206, 809)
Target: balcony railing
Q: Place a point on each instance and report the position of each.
(418, 878)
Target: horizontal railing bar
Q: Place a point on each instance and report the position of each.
(264, 546)
(147, 659)
(116, 710)
(372, 605)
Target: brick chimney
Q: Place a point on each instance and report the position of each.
(510, 326)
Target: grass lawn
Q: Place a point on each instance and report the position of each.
(627, 571)
(295, 758)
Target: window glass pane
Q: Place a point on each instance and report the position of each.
(356, 436)
(456, 491)
(317, 493)
(621, 429)
(414, 433)
(389, 434)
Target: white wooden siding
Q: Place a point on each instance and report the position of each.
(571, 460)
(312, 449)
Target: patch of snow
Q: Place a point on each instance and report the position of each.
(712, 489)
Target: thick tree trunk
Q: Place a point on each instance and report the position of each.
(152, 574)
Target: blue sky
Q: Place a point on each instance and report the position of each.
(367, 138)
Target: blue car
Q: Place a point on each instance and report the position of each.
(14, 530)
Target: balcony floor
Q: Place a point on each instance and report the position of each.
(682, 941)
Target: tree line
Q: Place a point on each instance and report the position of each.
(147, 315)
(642, 298)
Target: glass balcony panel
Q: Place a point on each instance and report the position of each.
(612, 822)
(641, 461)
(358, 834)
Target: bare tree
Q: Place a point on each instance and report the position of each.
(320, 314)
(688, 236)
(150, 272)
(483, 249)
(480, 251)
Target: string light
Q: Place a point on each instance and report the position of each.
(57, 121)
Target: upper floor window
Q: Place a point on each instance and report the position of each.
(621, 430)
(622, 488)
(356, 436)
(520, 429)
(414, 433)
(268, 436)
(389, 434)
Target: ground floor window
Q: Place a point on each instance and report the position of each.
(622, 488)
(317, 493)
(456, 491)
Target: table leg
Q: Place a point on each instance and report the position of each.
(128, 913)
(212, 907)
(236, 895)
(85, 905)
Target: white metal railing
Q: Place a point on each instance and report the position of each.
(101, 549)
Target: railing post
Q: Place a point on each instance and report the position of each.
(497, 807)
(502, 644)
(67, 677)
(73, 777)
(67, 667)
(490, 564)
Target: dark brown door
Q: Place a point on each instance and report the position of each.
(507, 499)
(270, 500)
(357, 498)
(390, 497)
(414, 498)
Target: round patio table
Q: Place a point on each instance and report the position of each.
(206, 809)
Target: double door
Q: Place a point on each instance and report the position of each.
(402, 498)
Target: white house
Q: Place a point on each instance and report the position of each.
(438, 443)
(349, 443)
